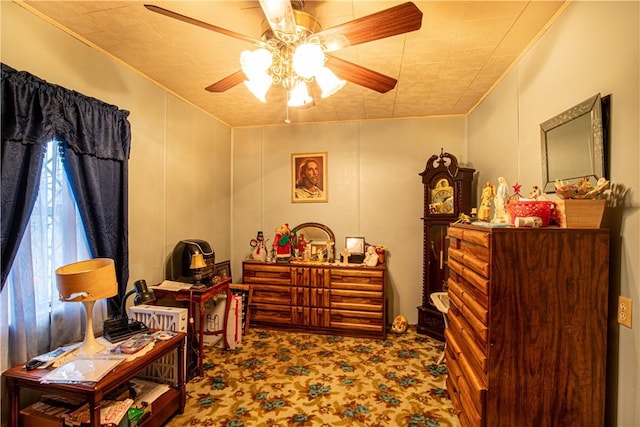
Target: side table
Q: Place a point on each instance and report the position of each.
(172, 401)
(200, 297)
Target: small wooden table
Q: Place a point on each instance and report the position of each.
(200, 297)
(169, 403)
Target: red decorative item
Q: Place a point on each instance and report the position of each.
(539, 208)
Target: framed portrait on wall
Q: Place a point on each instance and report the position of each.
(309, 177)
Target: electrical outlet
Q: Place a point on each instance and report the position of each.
(625, 306)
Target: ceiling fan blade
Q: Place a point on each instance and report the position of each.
(193, 21)
(227, 83)
(360, 75)
(399, 19)
(279, 14)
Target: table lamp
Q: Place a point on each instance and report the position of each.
(86, 282)
(143, 295)
(197, 263)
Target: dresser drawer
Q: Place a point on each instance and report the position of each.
(272, 294)
(356, 300)
(271, 314)
(477, 237)
(466, 338)
(468, 275)
(480, 266)
(370, 280)
(266, 274)
(366, 321)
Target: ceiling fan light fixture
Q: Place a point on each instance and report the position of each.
(299, 96)
(308, 59)
(255, 63)
(279, 13)
(328, 82)
(259, 85)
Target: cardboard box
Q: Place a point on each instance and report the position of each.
(42, 414)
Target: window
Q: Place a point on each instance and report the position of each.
(37, 320)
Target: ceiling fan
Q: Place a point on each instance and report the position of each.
(294, 50)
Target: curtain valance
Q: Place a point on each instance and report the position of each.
(34, 112)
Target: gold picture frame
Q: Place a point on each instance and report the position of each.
(309, 177)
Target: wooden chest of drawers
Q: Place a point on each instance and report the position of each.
(527, 335)
(321, 298)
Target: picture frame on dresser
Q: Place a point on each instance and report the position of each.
(222, 269)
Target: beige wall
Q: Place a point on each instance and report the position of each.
(179, 170)
(374, 188)
(593, 47)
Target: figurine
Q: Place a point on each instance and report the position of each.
(371, 259)
(301, 243)
(282, 243)
(488, 192)
(345, 256)
(259, 251)
(535, 193)
(500, 202)
(400, 324)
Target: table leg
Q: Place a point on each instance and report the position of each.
(14, 402)
(201, 339)
(95, 413)
(181, 375)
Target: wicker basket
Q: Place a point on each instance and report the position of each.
(539, 208)
(580, 213)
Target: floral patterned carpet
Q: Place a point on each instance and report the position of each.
(277, 378)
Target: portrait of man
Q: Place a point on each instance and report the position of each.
(309, 177)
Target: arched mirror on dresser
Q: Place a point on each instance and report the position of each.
(318, 236)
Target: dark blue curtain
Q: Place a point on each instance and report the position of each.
(95, 139)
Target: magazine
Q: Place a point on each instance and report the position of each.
(134, 344)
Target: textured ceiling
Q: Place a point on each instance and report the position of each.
(445, 68)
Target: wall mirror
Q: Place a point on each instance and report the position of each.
(319, 236)
(573, 144)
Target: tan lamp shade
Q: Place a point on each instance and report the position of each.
(88, 280)
(197, 261)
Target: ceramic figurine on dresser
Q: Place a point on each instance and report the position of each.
(447, 196)
(259, 247)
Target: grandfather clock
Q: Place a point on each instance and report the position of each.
(447, 194)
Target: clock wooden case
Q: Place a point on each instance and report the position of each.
(447, 194)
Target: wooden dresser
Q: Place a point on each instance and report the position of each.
(322, 298)
(527, 335)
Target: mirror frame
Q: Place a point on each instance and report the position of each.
(322, 227)
(593, 108)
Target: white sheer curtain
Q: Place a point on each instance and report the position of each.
(32, 318)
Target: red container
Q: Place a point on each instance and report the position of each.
(540, 208)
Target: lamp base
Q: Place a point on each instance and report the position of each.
(89, 345)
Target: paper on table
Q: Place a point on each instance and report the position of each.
(81, 370)
(169, 285)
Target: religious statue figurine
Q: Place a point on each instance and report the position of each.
(345, 256)
(484, 211)
(500, 202)
(371, 259)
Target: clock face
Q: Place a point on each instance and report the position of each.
(442, 198)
